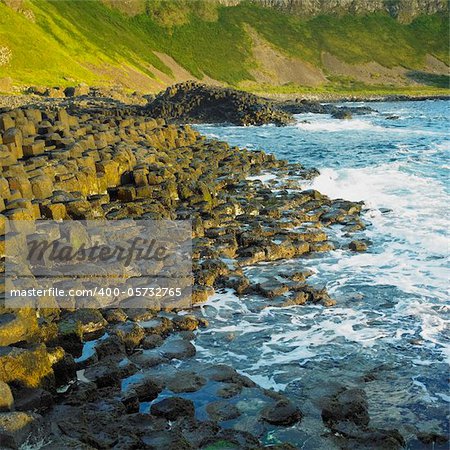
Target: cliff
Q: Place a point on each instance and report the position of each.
(281, 45)
(403, 10)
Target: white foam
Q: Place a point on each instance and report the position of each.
(412, 241)
(337, 125)
(418, 204)
(264, 177)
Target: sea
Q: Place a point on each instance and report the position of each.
(389, 332)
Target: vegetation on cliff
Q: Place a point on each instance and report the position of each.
(59, 42)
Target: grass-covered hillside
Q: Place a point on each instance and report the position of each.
(65, 42)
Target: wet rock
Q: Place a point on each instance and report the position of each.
(163, 440)
(160, 325)
(342, 114)
(296, 298)
(70, 336)
(229, 390)
(184, 381)
(177, 349)
(282, 413)
(227, 374)
(152, 341)
(173, 408)
(430, 438)
(273, 288)
(348, 405)
(82, 393)
(185, 323)
(115, 315)
(368, 437)
(109, 372)
(299, 106)
(357, 246)
(64, 370)
(111, 346)
(139, 314)
(221, 410)
(90, 320)
(131, 401)
(146, 389)
(242, 439)
(130, 333)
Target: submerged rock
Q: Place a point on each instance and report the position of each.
(349, 405)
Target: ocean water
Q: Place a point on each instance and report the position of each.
(389, 332)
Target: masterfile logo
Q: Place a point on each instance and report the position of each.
(98, 264)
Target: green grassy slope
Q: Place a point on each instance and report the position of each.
(70, 38)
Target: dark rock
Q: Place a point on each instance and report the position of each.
(221, 410)
(242, 439)
(146, 389)
(227, 374)
(431, 438)
(357, 246)
(369, 437)
(116, 315)
(172, 408)
(36, 400)
(112, 346)
(160, 325)
(185, 323)
(184, 381)
(130, 333)
(16, 427)
(228, 390)
(130, 400)
(193, 102)
(177, 349)
(152, 341)
(165, 440)
(282, 413)
(348, 405)
(109, 372)
(342, 114)
(65, 370)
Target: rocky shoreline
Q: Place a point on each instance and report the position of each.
(128, 378)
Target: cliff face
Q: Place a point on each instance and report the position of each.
(403, 10)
